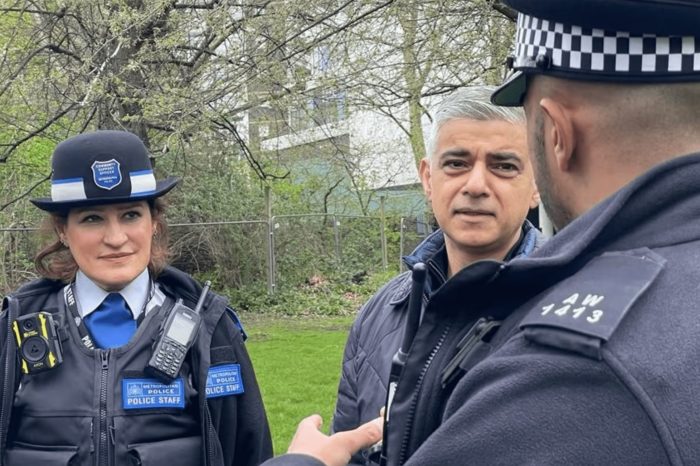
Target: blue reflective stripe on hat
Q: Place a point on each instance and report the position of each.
(69, 189)
(142, 182)
(67, 180)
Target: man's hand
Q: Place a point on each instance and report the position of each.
(334, 450)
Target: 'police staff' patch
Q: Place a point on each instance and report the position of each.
(224, 380)
(152, 394)
(106, 174)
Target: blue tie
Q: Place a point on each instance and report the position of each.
(111, 324)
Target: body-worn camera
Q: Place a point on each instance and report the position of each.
(38, 345)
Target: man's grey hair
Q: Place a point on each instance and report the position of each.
(473, 103)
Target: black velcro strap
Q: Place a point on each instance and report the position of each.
(222, 354)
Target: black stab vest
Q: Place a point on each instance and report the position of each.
(75, 413)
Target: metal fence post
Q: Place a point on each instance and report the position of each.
(401, 238)
(382, 233)
(336, 234)
(270, 257)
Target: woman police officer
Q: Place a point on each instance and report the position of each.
(83, 393)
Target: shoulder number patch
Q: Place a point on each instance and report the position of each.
(577, 306)
(224, 380)
(594, 301)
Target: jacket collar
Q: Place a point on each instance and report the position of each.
(531, 240)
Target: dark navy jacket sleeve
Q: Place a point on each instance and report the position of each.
(374, 335)
(293, 460)
(362, 386)
(239, 420)
(533, 405)
(347, 414)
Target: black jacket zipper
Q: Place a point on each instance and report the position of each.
(103, 448)
(416, 395)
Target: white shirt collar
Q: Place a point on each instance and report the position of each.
(89, 295)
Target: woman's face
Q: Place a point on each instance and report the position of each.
(110, 243)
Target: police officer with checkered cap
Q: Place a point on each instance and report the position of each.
(595, 361)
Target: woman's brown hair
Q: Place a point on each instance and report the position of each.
(56, 261)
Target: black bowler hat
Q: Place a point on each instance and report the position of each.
(102, 167)
(626, 41)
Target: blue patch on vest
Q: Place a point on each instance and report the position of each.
(152, 394)
(224, 380)
(106, 174)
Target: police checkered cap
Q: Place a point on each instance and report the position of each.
(546, 46)
(575, 49)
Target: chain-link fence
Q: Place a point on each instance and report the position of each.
(412, 232)
(286, 251)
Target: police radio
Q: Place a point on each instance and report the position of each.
(177, 335)
(39, 347)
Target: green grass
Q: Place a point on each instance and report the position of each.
(297, 361)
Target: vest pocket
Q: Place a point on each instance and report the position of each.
(174, 452)
(24, 454)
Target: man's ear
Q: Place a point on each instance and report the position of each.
(559, 133)
(424, 173)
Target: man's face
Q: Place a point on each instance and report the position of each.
(552, 198)
(480, 184)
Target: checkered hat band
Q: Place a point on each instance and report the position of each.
(576, 48)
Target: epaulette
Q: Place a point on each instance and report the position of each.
(237, 322)
(581, 313)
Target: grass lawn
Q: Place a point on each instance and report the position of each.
(297, 361)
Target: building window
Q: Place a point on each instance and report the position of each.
(325, 108)
(322, 59)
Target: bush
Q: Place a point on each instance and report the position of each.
(324, 296)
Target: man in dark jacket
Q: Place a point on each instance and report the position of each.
(479, 181)
(596, 358)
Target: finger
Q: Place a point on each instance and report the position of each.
(307, 429)
(314, 421)
(362, 437)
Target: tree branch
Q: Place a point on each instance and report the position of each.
(194, 6)
(255, 165)
(505, 10)
(59, 14)
(13, 146)
(26, 193)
